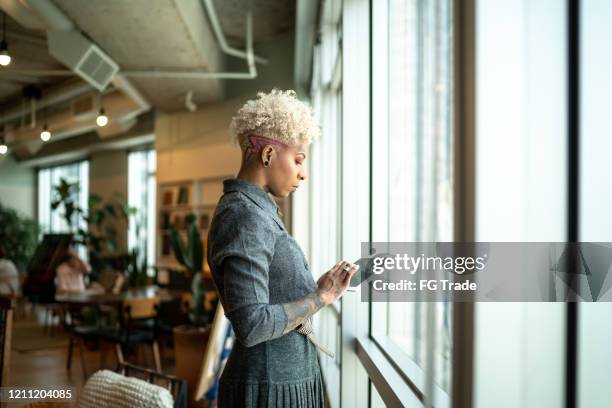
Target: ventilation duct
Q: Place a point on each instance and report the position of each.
(82, 56)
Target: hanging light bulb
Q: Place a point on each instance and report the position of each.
(3, 146)
(5, 58)
(45, 135)
(102, 119)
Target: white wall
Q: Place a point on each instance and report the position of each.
(107, 176)
(196, 145)
(17, 186)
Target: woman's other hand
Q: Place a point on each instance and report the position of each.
(333, 283)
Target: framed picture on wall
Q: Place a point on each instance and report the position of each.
(167, 197)
(183, 196)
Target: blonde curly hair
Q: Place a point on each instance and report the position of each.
(277, 115)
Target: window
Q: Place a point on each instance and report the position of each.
(594, 329)
(412, 163)
(521, 141)
(325, 162)
(142, 166)
(52, 221)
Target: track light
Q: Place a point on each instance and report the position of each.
(5, 58)
(102, 119)
(45, 135)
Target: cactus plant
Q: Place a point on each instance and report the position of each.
(191, 256)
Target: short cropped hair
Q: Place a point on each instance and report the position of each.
(277, 115)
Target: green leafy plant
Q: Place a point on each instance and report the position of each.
(18, 236)
(137, 268)
(66, 195)
(100, 236)
(191, 256)
(137, 258)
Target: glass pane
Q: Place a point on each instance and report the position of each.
(595, 329)
(520, 191)
(44, 199)
(324, 167)
(142, 196)
(413, 160)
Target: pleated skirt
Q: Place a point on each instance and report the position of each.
(307, 393)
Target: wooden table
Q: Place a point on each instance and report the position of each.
(91, 298)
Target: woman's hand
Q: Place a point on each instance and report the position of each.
(333, 283)
(331, 286)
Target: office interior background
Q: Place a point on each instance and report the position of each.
(442, 120)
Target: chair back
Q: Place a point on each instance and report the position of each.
(111, 281)
(176, 386)
(140, 308)
(6, 332)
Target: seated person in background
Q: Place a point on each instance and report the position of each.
(70, 274)
(9, 278)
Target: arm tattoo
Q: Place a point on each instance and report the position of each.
(300, 310)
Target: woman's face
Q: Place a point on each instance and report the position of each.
(286, 170)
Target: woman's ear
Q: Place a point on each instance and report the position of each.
(267, 154)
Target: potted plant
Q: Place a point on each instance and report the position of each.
(100, 219)
(100, 237)
(190, 340)
(18, 235)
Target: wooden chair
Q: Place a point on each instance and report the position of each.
(79, 332)
(131, 331)
(111, 281)
(176, 386)
(6, 332)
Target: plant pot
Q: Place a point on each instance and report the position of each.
(189, 348)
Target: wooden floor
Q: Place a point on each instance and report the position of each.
(47, 367)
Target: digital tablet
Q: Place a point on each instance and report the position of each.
(365, 270)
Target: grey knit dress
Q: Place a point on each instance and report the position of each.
(257, 266)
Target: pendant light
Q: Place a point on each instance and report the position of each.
(45, 135)
(5, 58)
(3, 146)
(102, 119)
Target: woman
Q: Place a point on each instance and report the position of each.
(9, 277)
(70, 274)
(262, 276)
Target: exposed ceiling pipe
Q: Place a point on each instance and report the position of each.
(201, 74)
(51, 97)
(120, 82)
(214, 21)
(55, 19)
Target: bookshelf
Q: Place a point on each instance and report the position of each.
(178, 199)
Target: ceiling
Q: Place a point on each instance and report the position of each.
(270, 18)
(139, 35)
